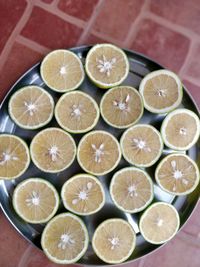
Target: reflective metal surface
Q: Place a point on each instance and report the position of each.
(139, 66)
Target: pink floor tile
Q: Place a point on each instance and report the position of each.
(47, 1)
(193, 67)
(92, 39)
(81, 9)
(50, 30)
(116, 17)
(10, 13)
(179, 11)
(164, 45)
(195, 92)
(19, 60)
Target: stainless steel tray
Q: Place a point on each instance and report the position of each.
(139, 66)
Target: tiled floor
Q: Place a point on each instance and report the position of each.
(167, 31)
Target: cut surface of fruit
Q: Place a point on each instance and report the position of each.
(125, 103)
(65, 239)
(114, 241)
(14, 156)
(31, 107)
(180, 129)
(161, 91)
(62, 70)
(35, 200)
(106, 65)
(131, 189)
(53, 150)
(141, 145)
(98, 152)
(77, 112)
(159, 223)
(177, 174)
(83, 194)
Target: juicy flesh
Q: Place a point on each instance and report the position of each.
(62, 71)
(31, 107)
(13, 157)
(124, 103)
(53, 150)
(131, 190)
(76, 112)
(161, 91)
(177, 174)
(160, 223)
(107, 65)
(83, 195)
(141, 145)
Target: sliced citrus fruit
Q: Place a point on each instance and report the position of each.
(31, 107)
(180, 129)
(83, 194)
(159, 223)
(131, 189)
(65, 239)
(98, 152)
(106, 65)
(62, 70)
(125, 103)
(14, 156)
(35, 200)
(53, 150)
(77, 112)
(177, 174)
(114, 241)
(141, 145)
(161, 91)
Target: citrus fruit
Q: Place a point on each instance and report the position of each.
(161, 91)
(141, 145)
(131, 189)
(114, 240)
(98, 152)
(177, 174)
(14, 156)
(52, 150)
(159, 223)
(77, 112)
(83, 194)
(62, 70)
(65, 239)
(106, 65)
(35, 200)
(180, 129)
(31, 107)
(125, 103)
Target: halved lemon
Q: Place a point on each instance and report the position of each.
(83, 194)
(35, 200)
(14, 156)
(131, 189)
(31, 107)
(65, 239)
(53, 150)
(77, 112)
(121, 106)
(62, 70)
(159, 223)
(98, 152)
(141, 145)
(161, 91)
(180, 129)
(177, 174)
(106, 65)
(114, 241)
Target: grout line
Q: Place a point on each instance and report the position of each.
(90, 22)
(33, 45)
(55, 11)
(22, 21)
(191, 79)
(134, 27)
(55, 3)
